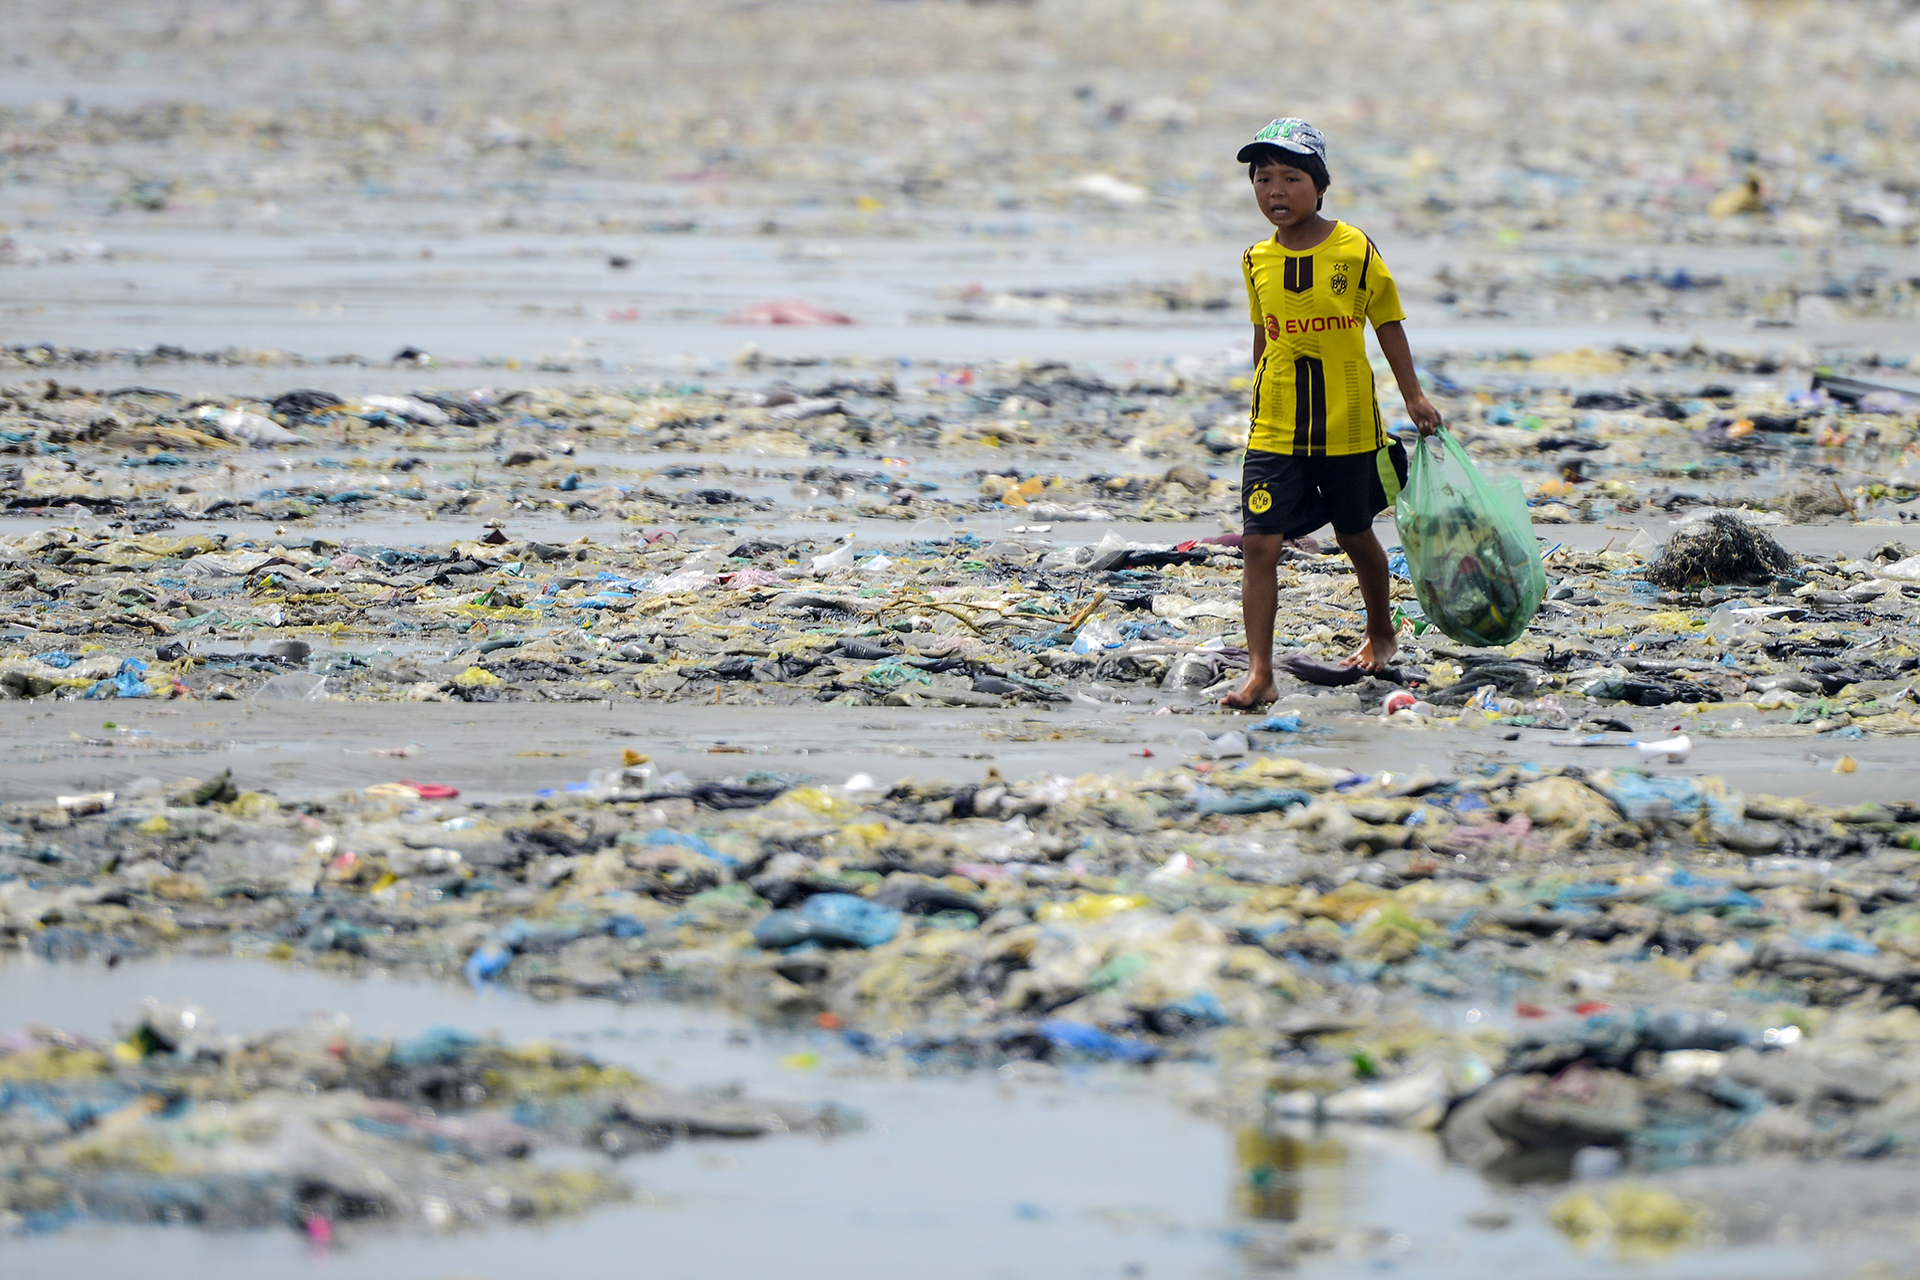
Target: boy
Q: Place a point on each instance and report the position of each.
(1318, 452)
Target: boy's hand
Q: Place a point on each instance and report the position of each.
(1424, 415)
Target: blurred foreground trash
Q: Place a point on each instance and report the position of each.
(315, 1125)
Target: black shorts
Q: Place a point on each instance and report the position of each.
(1292, 495)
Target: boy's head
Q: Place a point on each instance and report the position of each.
(1294, 143)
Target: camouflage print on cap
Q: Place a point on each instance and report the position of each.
(1289, 133)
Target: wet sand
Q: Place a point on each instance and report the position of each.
(496, 753)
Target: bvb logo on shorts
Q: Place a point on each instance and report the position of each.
(1259, 502)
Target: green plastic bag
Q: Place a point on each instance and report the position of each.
(1469, 545)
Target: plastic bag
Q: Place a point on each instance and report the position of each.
(1470, 547)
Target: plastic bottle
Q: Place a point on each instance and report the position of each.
(1196, 745)
(841, 557)
(1549, 714)
(1096, 635)
(1672, 750)
(1730, 622)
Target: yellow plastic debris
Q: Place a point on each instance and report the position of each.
(1089, 907)
(812, 802)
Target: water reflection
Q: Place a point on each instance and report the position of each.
(1289, 1176)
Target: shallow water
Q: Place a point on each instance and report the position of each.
(1087, 1172)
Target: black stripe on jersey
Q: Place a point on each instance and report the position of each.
(1296, 276)
(1302, 406)
(1373, 401)
(1309, 406)
(1366, 261)
(1356, 421)
(1319, 441)
(1259, 377)
(1253, 415)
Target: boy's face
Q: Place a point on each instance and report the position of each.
(1286, 195)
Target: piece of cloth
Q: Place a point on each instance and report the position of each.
(1293, 495)
(1313, 393)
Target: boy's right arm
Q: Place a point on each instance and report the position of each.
(1259, 344)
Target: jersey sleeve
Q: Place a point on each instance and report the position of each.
(1258, 316)
(1383, 296)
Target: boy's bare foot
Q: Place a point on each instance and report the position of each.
(1375, 652)
(1256, 690)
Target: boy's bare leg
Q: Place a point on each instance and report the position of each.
(1259, 598)
(1370, 566)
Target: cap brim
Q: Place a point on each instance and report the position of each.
(1252, 149)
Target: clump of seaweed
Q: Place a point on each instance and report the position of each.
(1722, 549)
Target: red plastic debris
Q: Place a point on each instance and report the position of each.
(788, 311)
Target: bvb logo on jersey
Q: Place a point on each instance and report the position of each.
(1259, 502)
(1339, 282)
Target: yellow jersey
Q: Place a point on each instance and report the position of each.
(1313, 390)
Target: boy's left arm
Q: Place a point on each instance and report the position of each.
(1393, 345)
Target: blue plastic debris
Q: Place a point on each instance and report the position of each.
(662, 836)
(486, 964)
(1642, 798)
(124, 683)
(1710, 891)
(1264, 800)
(435, 1044)
(1835, 940)
(1079, 1036)
(1202, 1006)
(830, 919)
(1280, 724)
(57, 658)
(523, 937)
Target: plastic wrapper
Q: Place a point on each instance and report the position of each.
(1469, 545)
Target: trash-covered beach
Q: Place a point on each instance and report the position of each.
(581, 670)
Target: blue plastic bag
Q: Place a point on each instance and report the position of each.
(830, 919)
(124, 683)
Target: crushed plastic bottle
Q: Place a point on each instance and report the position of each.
(1097, 634)
(1196, 745)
